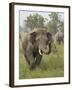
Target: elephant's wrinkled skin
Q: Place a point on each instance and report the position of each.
(35, 44)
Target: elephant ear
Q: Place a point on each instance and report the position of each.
(33, 37)
(49, 35)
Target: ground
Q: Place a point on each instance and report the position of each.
(52, 65)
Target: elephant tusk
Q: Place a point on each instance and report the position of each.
(35, 58)
(40, 52)
(47, 46)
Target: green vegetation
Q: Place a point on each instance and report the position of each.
(34, 21)
(52, 23)
(52, 65)
(55, 23)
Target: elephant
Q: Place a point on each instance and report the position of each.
(36, 43)
(59, 37)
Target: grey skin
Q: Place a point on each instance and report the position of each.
(59, 36)
(35, 44)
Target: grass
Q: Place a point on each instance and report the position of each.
(52, 65)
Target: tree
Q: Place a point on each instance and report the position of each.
(35, 21)
(61, 27)
(55, 22)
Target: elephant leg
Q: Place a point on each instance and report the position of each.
(58, 41)
(29, 57)
(30, 60)
(38, 59)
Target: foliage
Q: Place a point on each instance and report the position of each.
(61, 26)
(55, 22)
(35, 21)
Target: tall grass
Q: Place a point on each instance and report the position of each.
(52, 65)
